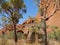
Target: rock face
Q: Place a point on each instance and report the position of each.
(53, 11)
(19, 27)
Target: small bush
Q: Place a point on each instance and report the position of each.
(20, 35)
(10, 35)
(55, 35)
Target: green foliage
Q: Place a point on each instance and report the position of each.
(32, 38)
(10, 35)
(16, 2)
(6, 6)
(16, 17)
(12, 8)
(20, 35)
(55, 36)
(40, 36)
(54, 27)
(0, 9)
(41, 11)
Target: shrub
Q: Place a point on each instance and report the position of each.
(10, 35)
(20, 35)
(55, 36)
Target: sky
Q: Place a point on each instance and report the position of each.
(32, 10)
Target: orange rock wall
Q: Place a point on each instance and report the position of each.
(53, 20)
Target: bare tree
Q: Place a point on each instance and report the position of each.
(43, 6)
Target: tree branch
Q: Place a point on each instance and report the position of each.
(53, 12)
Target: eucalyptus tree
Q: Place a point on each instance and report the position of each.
(12, 9)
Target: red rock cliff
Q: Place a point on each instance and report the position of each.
(55, 19)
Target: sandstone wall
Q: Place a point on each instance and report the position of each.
(53, 20)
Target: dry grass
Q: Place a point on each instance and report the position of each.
(23, 42)
(53, 42)
(20, 42)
